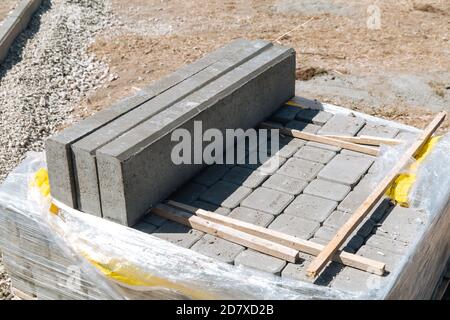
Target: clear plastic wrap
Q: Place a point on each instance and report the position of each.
(98, 259)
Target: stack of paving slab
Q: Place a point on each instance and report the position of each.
(312, 192)
(116, 164)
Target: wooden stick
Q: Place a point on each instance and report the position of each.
(369, 140)
(306, 246)
(322, 259)
(322, 139)
(262, 245)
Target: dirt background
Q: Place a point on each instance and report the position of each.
(386, 58)
(5, 7)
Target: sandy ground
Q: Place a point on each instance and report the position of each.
(391, 59)
(5, 7)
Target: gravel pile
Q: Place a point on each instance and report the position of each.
(45, 75)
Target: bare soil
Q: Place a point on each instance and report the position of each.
(330, 37)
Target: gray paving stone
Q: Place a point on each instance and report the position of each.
(211, 174)
(368, 182)
(295, 226)
(211, 207)
(406, 136)
(225, 194)
(298, 272)
(252, 216)
(178, 234)
(285, 184)
(301, 169)
(327, 189)
(345, 169)
(218, 248)
(354, 280)
(245, 177)
(260, 261)
(302, 126)
(291, 141)
(323, 146)
(285, 114)
(342, 125)
(384, 244)
(390, 259)
(145, 227)
(188, 193)
(318, 117)
(338, 218)
(358, 154)
(402, 224)
(268, 166)
(324, 235)
(154, 219)
(378, 130)
(357, 197)
(311, 207)
(315, 154)
(267, 200)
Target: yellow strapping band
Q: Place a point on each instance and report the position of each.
(400, 188)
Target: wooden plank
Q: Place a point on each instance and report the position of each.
(306, 246)
(342, 234)
(221, 231)
(322, 139)
(368, 140)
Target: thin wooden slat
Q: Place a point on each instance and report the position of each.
(368, 140)
(322, 139)
(344, 232)
(306, 246)
(221, 231)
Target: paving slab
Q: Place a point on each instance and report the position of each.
(295, 226)
(402, 224)
(323, 146)
(391, 260)
(378, 130)
(188, 193)
(301, 169)
(337, 219)
(311, 207)
(268, 166)
(252, 216)
(324, 235)
(211, 207)
(154, 219)
(318, 117)
(345, 169)
(267, 200)
(145, 227)
(285, 114)
(358, 154)
(342, 125)
(178, 234)
(298, 272)
(355, 199)
(259, 261)
(58, 150)
(315, 154)
(211, 174)
(218, 248)
(285, 184)
(225, 194)
(406, 136)
(303, 126)
(245, 177)
(327, 189)
(354, 280)
(384, 244)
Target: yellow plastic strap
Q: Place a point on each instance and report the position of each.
(42, 184)
(132, 276)
(400, 188)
